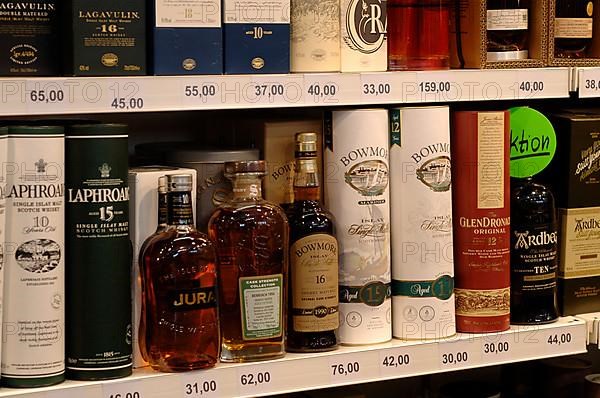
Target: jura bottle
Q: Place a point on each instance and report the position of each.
(251, 238)
(180, 288)
(313, 315)
(534, 246)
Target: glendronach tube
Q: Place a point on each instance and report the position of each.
(421, 210)
(357, 194)
(99, 330)
(481, 218)
(34, 289)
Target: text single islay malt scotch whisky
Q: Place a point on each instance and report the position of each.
(251, 238)
(573, 28)
(34, 281)
(421, 211)
(480, 144)
(99, 330)
(418, 34)
(29, 38)
(313, 315)
(507, 29)
(357, 194)
(534, 251)
(180, 288)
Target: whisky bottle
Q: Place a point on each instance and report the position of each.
(251, 239)
(162, 220)
(507, 29)
(34, 260)
(573, 27)
(179, 283)
(313, 316)
(98, 253)
(418, 34)
(534, 246)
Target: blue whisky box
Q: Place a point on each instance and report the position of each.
(187, 37)
(257, 36)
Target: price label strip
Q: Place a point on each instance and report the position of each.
(331, 89)
(91, 391)
(202, 92)
(49, 96)
(498, 348)
(406, 361)
(542, 83)
(211, 383)
(276, 90)
(589, 82)
(463, 353)
(259, 379)
(435, 86)
(129, 389)
(352, 368)
(120, 95)
(386, 87)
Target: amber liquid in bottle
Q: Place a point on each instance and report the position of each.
(507, 29)
(573, 28)
(418, 34)
(179, 290)
(251, 238)
(313, 313)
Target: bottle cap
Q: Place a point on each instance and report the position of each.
(245, 166)
(162, 184)
(306, 144)
(179, 182)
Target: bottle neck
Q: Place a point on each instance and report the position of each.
(163, 211)
(180, 208)
(247, 187)
(306, 180)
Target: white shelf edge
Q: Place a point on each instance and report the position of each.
(89, 95)
(298, 372)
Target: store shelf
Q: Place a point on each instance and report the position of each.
(593, 327)
(348, 365)
(46, 96)
(588, 82)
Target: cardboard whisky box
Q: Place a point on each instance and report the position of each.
(579, 261)
(256, 36)
(143, 220)
(593, 52)
(104, 38)
(468, 36)
(278, 148)
(29, 38)
(187, 37)
(363, 45)
(574, 173)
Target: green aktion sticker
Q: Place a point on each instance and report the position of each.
(532, 142)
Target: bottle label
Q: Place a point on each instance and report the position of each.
(490, 152)
(188, 14)
(261, 300)
(441, 288)
(573, 28)
(193, 299)
(482, 303)
(180, 208)
(372, 294)
(533, 259)
(580, 242)
(314, 262)
(510, 19)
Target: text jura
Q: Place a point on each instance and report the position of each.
(365, 152)
(525, 240)
(194, 299)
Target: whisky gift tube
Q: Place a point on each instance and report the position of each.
(481, 217)
(421, 210)
(33, 349)
(98, 248)
(356, 192)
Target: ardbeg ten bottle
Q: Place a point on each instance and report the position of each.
(34, 291)
(533, 257)
(313, 314)
(179, 288)
(98, 252)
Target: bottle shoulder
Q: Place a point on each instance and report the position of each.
(174, 240)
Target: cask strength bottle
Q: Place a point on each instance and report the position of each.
(480, 144)
(34, 259)
(507, 29)
(357, 194)
(418, 34)
(251, 239)
(313, 316)
(573, 28)
(179, 281)
(534, 247)
(99, 330)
